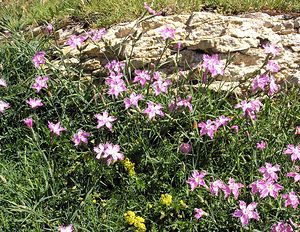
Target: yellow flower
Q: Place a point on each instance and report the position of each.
(129, 216)
(141, 227)
(137, 221)
(129, 167)
(166, 199)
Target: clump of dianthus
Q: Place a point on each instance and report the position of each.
(136, 221)
(129, 167)
(166, 199)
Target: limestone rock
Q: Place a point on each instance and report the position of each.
(69, 51)
(225, 86)
(91, 64)
(217, 86)
(91, 50)
(37, 31)
(242, 36)
(227, 43)
(297, 23)
(295, 48)
(294, 78)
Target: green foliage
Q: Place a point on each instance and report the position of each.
(100, 12)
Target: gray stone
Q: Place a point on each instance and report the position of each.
(203, 32)
(295, 48)
(91, 64)
(297, 23)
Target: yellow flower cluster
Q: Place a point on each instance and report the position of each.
(166, 199)
(129, 167)
(137, 221)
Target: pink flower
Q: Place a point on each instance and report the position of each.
(261, 145)
(234, 187)
(281, 227)
(28, 122)
(213, 65)
(208, 128)
(76, 41)
(133, 100)
(3, 106)
(178, 45)
(99, 150)
(235, 128)
(185, 102)
(96, 35)
(197, 179)
(265, 188)
(3, 83)
(34, 103)
(294, 175)
(105, 119)
(40, 83)
(161, 86)
(222, 121)
(272, 66)
(215, 186)
(260, 82)
(268, 188)
(245, 213)
(68, 228)
(271, 49)
(297, 132)
(112, 153)
(117, 87)
(273, 87)
(150, 10)
(55, 128)
(153, 109)
(293, 151)
(141, 76)
(199, 213)
(172, 106)
(80, 136)
(39, 58)
(269, 172)
(156, 75)
(181, 103)
(168, 33)
(291, 199)
(249, 108)
(114, 78)
(109, 151)
(185, 148)
(256, 186)
(49, 28)
(115, 66)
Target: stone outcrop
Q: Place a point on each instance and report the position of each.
(202, 32)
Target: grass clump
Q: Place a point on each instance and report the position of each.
(107, 12)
